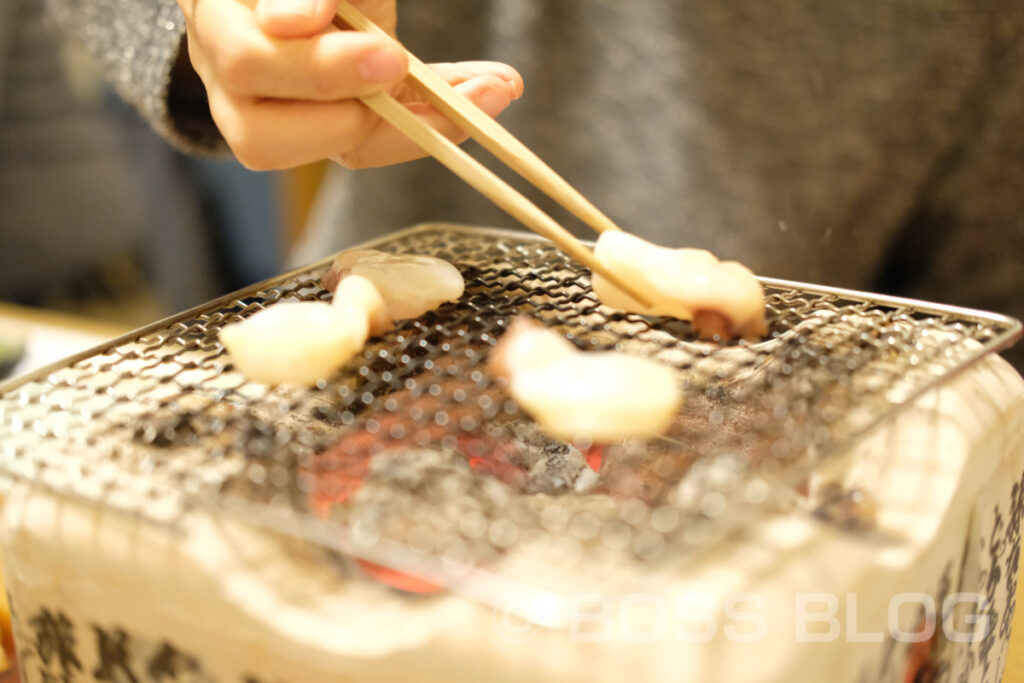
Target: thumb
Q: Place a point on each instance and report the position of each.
(295, 18)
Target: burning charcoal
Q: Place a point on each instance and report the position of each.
(434, 489)
(433, 501)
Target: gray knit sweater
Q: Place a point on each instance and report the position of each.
(876, 144)
(138, 44)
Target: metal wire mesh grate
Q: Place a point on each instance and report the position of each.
(414, 457)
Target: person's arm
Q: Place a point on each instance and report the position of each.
(140, 46)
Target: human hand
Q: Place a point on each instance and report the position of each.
(283, 83)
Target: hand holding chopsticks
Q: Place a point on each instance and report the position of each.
(497, 140)
(282, 89)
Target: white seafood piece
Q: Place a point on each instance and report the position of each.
(604, 396)
(722, 298)
(363, 300)
(410, 284)
(296, 341)
(527, 344)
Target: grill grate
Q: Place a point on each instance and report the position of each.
(413, 456)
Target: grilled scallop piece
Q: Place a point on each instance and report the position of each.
(410, 284)
(302, 342)
(601, 396)
(359, 298)
(722, 298)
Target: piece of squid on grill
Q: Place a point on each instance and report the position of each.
(722, 298)
(601, 396)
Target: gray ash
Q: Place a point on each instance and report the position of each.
(552, 467)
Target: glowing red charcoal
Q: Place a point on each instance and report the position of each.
(594, 457)
(338, 473)
(407, 583)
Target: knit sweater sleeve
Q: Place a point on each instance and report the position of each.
(140, 45)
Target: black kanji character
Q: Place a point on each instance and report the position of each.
(113, 653)
(55, 641)
(168, 662)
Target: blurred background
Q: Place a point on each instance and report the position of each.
(105, 227)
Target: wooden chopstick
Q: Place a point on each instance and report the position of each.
(485, 130)
(484, 180)
(491, 186)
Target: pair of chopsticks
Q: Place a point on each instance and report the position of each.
(502, 144)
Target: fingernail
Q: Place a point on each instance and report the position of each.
(382, 64)
(513, 89)
(493, 101)
(292, 8)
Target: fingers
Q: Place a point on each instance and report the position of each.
(386, 145)
(283, 102)
(274, 134)
(283, 85)
(270, 134)
(460, 72)
(336, 65)
(294, 18)
(306, 18)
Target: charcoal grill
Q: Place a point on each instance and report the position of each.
(158, 423)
